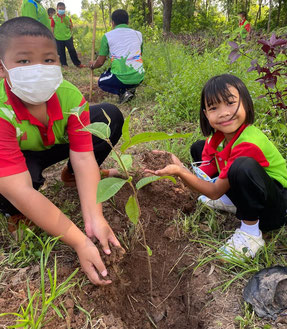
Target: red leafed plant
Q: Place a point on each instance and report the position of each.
(273, 68)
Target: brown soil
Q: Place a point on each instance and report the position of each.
(98, 94)
(178, 300)
(155, 161)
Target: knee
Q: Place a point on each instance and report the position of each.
(241, 168)
(114, 113)
(196, 150)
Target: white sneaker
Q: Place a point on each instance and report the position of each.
(217, 204)
(242, 244)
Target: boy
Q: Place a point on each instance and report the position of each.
(37, 131)
(51, 12)
(124, 46)
(62, 28)
(34, 9)
(244, 25)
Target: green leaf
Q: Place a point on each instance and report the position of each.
(147, 180)
(107, 117)
(150, 136)
(132, 210)
(149, 251)
(108, 187)
(127, 160)
(80, 109)
(126, 126)
(125, 130)
(99, 129)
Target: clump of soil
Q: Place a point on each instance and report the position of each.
(155, 161)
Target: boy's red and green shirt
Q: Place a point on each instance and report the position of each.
(62, 27)
(249, 141)
(20, 131)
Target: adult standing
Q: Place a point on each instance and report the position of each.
(34, 9)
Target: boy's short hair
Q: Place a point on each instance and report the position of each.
(120, 16)
(216, 90)
(51, 11)
(243, 13)
(19, 27)
(61, 4)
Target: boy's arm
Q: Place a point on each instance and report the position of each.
(103, 53)
(46, 215)
(87, 176)
(211, 190)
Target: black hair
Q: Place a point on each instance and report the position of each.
(51, 11)
(120, 16)
(243, 13)
(19, 27)
(61, 4)
(216, 90)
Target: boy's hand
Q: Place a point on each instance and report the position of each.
(169, 170)
(90, 260)
(100, 229)
(92, 64)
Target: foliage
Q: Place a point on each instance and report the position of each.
(33, 315)
(271, 70)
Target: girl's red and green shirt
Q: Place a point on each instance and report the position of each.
(19, 130)
(249, 141)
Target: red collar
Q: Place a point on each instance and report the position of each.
(242, 22)
(54, 110)
(62, 16)
(218, 137)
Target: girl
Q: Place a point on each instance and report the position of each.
(251, 170)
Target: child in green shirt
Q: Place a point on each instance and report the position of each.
(37, 131)
(34, 9)
(62, 26)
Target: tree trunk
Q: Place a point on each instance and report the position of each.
(167, 9)
(278, 13)
(258, 14)
(110, 12)
(150, 12)
(103, 14)
(269, 17)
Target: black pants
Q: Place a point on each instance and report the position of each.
(110, 83)
(255, 194)
(61, 46)
(37, 161)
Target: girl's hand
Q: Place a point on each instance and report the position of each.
(169, 170)
(91, 262)
(99, 228)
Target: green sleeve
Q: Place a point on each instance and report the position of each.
(29, 9)
(104, 49)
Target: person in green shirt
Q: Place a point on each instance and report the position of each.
(34, 9)
(244, 25)
(62, 26)
(124, 47)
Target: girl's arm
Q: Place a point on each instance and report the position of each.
(87, 176)
(211, 190)
(19, 191)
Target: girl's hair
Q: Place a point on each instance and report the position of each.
(216, 90)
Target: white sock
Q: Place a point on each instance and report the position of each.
(250, 229)
(225, 199)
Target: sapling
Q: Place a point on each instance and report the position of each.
(108, 187)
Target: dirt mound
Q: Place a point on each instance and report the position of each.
(126, 303)
(156, 161)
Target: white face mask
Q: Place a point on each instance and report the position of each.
(35, 84)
